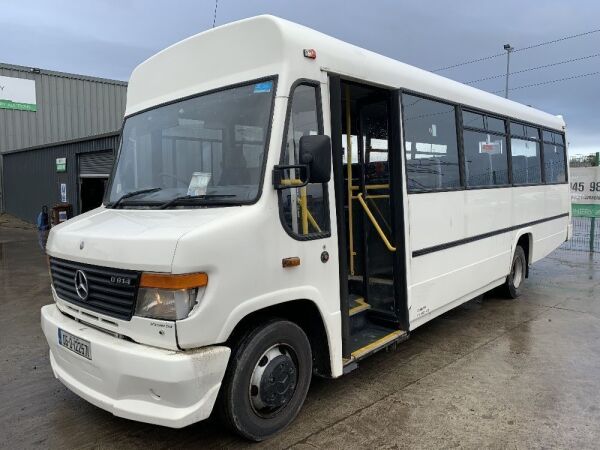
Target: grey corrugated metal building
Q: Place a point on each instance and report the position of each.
(53, 116)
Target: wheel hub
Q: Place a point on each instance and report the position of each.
(517, 273)
(274, 381)
(278, 382)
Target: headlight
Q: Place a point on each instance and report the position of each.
(169, 297)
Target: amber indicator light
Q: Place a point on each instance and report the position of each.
(290, 262)
(168, 281)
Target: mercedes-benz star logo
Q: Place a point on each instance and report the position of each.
(81, 285)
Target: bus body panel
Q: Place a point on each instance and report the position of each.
(445, 276)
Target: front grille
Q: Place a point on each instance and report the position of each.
(107, 293)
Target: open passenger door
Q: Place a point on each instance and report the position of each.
(370, 211)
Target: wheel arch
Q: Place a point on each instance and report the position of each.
(303, 312)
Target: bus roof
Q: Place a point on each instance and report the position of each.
(266, 45)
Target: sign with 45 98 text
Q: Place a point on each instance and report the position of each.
(585, 191)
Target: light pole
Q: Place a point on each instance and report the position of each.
(508, 49)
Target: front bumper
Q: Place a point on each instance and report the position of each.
(134, 381)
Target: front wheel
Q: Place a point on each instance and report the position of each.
(267, 380)
(516, 277)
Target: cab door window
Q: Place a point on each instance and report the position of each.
(304, 210)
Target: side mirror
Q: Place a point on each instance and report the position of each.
(315, 152)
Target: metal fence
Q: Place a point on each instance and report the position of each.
(584, 237)
(584, 160)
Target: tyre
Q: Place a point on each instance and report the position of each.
(266, 381)
(516, 277)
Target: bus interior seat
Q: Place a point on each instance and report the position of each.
(376, 172)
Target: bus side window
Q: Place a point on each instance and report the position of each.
(554, 158)
(525, 151)
(431, 144)
(305, 212)
(484, 144)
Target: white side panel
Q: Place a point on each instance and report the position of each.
(457, 273)
(441, 277)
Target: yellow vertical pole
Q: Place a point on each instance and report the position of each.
(304, 210)
(349, 175)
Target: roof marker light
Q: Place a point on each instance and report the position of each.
(310, 53)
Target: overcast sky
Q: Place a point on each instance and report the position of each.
(108, 38)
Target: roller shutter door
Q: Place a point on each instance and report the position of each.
(97, 164)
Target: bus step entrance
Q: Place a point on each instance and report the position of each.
(373, 320)
(366, 334)
(371, 339)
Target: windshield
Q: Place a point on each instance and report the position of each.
(204, 150)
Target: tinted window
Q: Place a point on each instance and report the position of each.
(305, 210)
(526, 162)
(517, 129)
(555, 138)
(554, 163)
(473, 120)
(485, 158)
(430, 144)
(532, 132)
(496, 125)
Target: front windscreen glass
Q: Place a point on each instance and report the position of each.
(204, 150)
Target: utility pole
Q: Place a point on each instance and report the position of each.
(508, 49)
(593, 219)
(215, 15)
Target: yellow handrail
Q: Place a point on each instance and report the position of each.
(305, 214)
(373, 196)
(304, 210)
(291, 182)
(312, 221)
(382, 235)
(371, 186)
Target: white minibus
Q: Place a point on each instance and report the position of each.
(283, 205)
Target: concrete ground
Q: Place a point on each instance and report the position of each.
(492, 373)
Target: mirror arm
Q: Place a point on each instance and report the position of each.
(280, 183)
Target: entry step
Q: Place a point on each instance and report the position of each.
(372, 339)
(357, 305)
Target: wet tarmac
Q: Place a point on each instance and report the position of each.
(491, 373)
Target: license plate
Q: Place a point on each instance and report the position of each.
(75, 344)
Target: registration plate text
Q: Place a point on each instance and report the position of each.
(75, 344)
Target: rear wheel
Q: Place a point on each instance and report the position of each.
(267, 380)
(516, 277)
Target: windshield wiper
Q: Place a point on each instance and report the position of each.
(192, 197)
(133, 194)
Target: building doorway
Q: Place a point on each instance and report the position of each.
(94, 171)
(91, 192)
